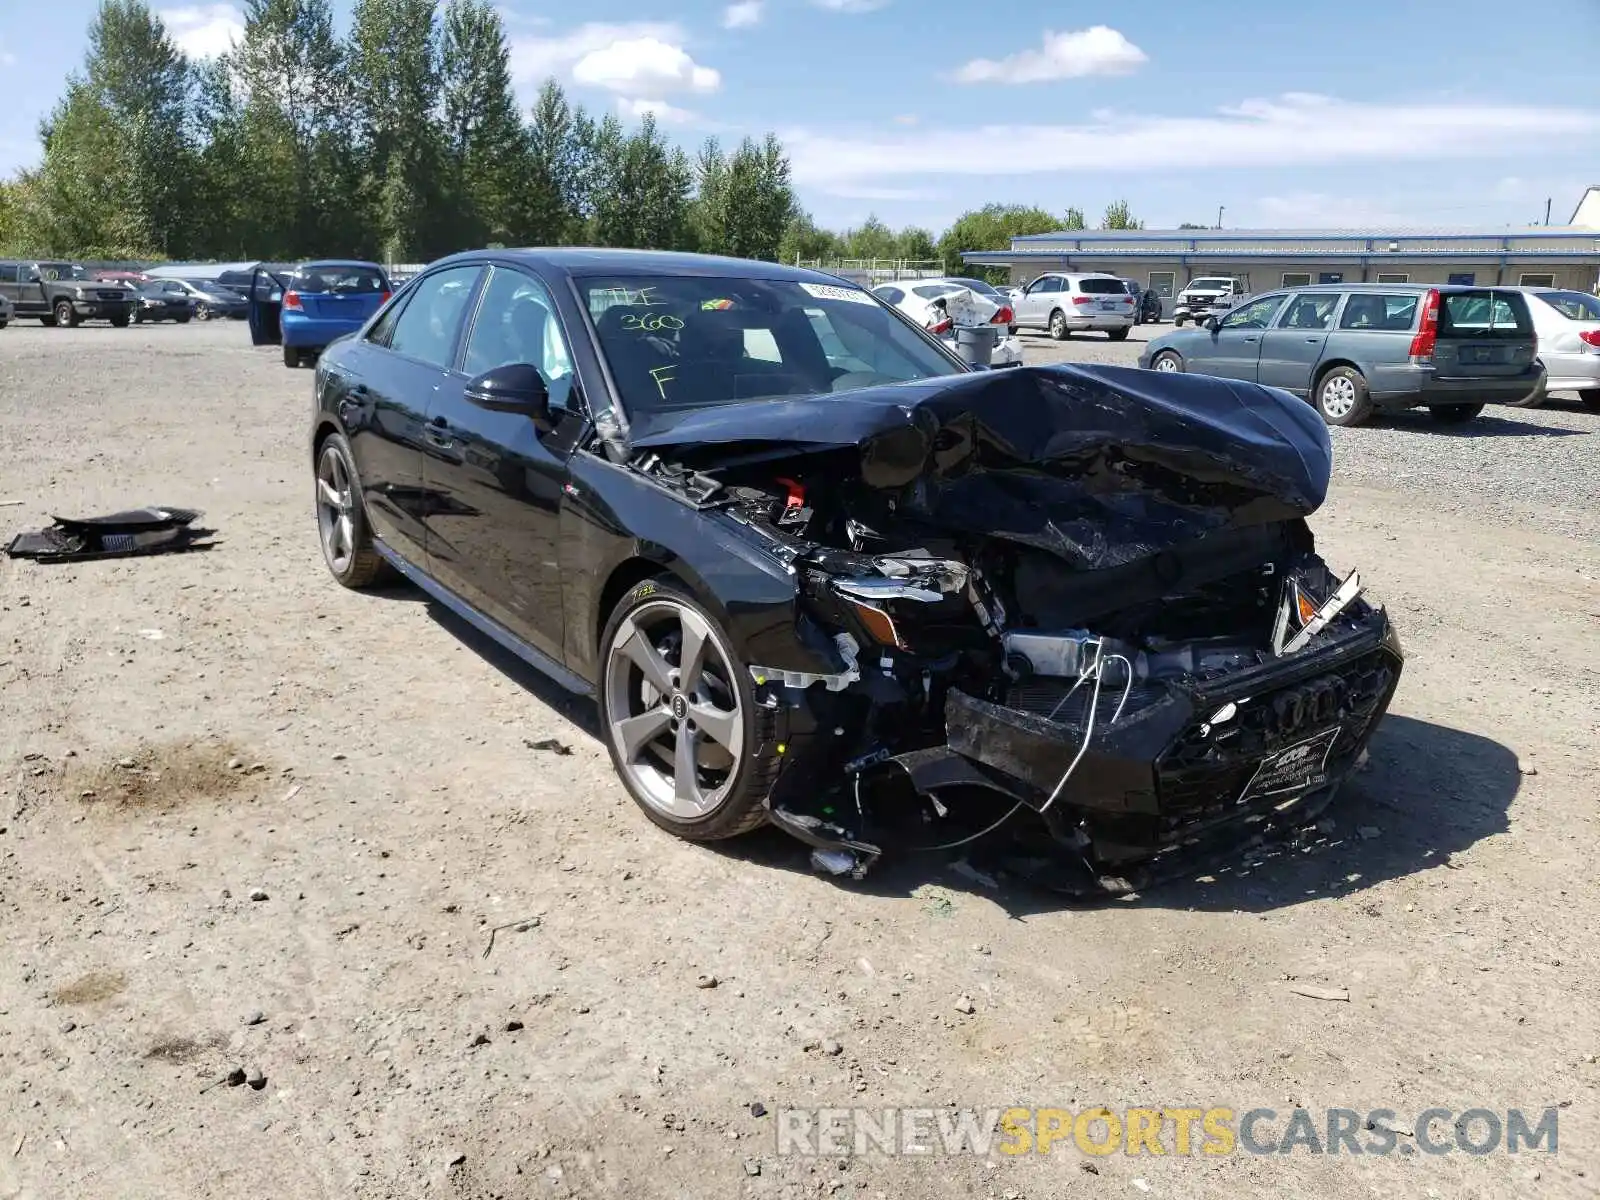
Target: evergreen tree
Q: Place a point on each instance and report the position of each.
(485, 141)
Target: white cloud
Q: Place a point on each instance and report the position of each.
(851, 6)
(203, 30)
(535, 59)
(644, 66)
(907, 119)
(664, 113)
(1319, 210)
(1291, 131)
(7, 59)
(1099, 50)
(742, 15)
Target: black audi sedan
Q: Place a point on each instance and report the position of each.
(818, 572)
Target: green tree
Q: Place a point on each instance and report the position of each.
(277, 117)
(644, 202)
(871, 239)
(486, 143)
(915, 244)
(1118, 217)
(991, 228)
(394, 52)
(745, 202)
(553, 198)
(1192, 225)
(1074, 220)
(118, 148)
(802, 241)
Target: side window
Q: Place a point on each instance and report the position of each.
(890, 295)
(1254, 315)
(426, 328)
(1045, 283)
(517, 323)
(1374, 310)
(383, 329)
(1309, 312)
(8, 273)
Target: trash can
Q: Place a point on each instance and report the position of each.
(975, 343)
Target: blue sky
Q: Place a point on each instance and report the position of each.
(1404, 112)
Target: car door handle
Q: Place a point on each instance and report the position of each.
(1315, 339)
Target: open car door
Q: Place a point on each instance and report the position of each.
(267, 285)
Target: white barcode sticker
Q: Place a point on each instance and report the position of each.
(823, 291)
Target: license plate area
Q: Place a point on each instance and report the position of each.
(1295, 768)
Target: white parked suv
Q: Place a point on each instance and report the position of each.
(1065, 304)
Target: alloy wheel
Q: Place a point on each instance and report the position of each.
(672, 709)
(1338, 396)
(1166, 363)
(335, 510)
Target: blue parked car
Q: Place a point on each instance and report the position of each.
(306, 307)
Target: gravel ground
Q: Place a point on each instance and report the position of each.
(1538, 462)
(330, 801)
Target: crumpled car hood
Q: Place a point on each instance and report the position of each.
(1099, 465)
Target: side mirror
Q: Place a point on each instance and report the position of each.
(1213, 324)
(515, 388)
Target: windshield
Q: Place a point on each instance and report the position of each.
(677, 342)
(1580, 306)
(48, 270)
(341, 279)
(1212, 284)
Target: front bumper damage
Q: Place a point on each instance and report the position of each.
(1078, 619)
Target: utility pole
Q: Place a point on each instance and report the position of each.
(1220, 211)
(1547, 210)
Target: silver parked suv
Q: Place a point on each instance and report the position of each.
(1354, 348)
(1064, 304)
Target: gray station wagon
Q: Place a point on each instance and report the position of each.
(1352, 349)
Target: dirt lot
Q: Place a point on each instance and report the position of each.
(332, 801)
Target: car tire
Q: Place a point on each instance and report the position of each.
(644, 713)
(202, 313)
(1167, 362)
(1590, 397)
(1058, 326)
(1454, 414)
(291, 357)
(64, 315)
(1117, 335)
(4, 321)
(119, 322)
(48, 322)
(1342, 398)
(1178, 321)
(342, 529)
(138, 318)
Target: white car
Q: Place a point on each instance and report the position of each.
(1064, 304)
(938, 305)
(1568, 326)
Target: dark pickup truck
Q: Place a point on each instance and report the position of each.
(62, 293)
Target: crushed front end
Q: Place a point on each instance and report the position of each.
(1080, 609)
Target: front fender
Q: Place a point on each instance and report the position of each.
(618, 519)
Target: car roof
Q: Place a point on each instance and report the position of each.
(1395, 287)
(336, 262)
(579, 261)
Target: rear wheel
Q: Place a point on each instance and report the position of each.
(202, 312)
(686, 736)
(120, 322)
(1058, 326)
(291, 356)
(65, 316)
(1342, 398)
(342, 519)
(1117, 335)
(1590, 398)
(1167, 361)
(182, 318)
(1453, 414)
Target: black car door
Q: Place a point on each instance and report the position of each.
(494, 527)
(382, 389)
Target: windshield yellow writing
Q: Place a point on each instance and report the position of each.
(650, 323)
(662, 377)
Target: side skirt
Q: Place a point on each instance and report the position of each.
(535, 658)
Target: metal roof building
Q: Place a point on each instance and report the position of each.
(1166, 259)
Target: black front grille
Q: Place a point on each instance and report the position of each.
(1050, 698)
(1204, 774)
(112, 295)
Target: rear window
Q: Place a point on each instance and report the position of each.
(1102, 287)
(341, 281)
(1484, 315)
(1387, 313)
(1579, 306)
(932, 291)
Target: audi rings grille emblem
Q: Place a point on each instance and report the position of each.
(680, 707)
(1311, 704)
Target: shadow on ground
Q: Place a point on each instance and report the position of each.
(1428, 794)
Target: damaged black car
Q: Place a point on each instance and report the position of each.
(819, 573)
